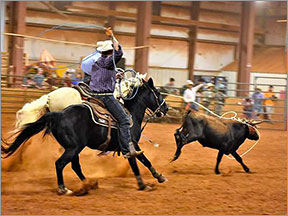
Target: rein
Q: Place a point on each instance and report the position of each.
(152, 114)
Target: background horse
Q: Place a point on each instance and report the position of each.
(74, 129)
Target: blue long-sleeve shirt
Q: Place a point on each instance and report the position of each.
(258, 98)
(103, 76)
(88, 61)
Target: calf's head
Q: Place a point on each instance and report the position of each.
(253, 135)
(181, 140)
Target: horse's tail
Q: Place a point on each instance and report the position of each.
(30, 112)
(46, 121)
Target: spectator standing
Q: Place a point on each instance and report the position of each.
(269, 102)
(208, 95)
(258, 98)
(170, 85)
(248, 105)
(39, 78)
(220, 85)
(219, 101)
(190, 95)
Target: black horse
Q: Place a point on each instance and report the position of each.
(74, 129)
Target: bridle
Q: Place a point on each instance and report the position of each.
(157, 100)
(150, 113)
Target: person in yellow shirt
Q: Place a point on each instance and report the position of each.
(269, 102)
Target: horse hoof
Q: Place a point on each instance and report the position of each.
(162, 179)
(64, 191)
(247, 170)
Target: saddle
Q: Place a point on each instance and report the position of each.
(100, 115)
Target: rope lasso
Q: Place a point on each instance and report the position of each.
(227, 118)
(120, 70)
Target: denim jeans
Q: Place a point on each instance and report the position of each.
(115, 108)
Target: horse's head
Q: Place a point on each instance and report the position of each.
(153, 99)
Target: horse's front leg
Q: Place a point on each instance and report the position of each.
(135, 169)
(144, 160)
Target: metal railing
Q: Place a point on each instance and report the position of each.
(278, 117)
(13, 99)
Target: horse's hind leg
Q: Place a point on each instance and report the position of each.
(77, 168)
(144, 160)
(135, 169)
(60, 164)
(86, 184)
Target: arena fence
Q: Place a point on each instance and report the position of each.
(13, 97)
(233, 103)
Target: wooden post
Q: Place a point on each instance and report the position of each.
(194, 15)
(16, 44)
(2, 23)
(246, 46)
(144, 18)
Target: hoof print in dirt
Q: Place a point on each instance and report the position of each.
(148, 187)
(90, 185)
(80, 192)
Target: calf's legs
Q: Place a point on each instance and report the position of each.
(219, 157)
(239, 159)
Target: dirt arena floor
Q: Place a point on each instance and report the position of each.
(29, 183)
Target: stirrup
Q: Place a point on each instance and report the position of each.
(132, 154)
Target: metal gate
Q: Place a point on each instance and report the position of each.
(279, 115)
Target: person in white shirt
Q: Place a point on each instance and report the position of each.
(190, 95)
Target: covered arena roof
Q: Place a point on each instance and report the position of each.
(265, 60)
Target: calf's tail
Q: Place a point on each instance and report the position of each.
(46, 121)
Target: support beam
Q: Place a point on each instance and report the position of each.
(246, 46)
(16, 44)
(144, 18)
(194, 15)
(156, 8)
(111, 19)
(2, 23)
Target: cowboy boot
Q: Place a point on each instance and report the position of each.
(133, 152)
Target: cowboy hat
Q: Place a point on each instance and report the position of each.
(189, 82)
(210, 85)
(103, 46)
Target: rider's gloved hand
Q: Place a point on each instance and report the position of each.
(109, 32)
